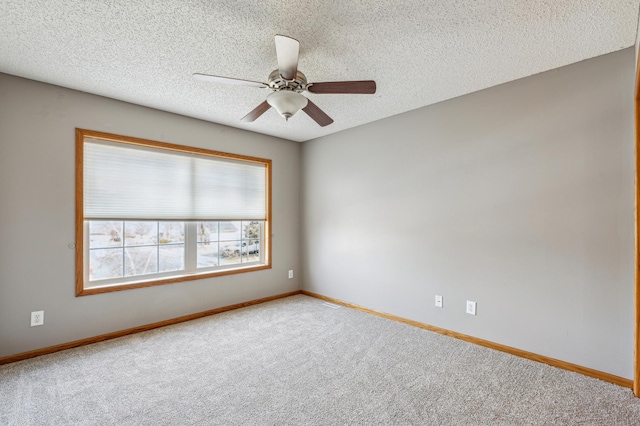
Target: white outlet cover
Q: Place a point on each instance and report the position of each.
(471, 307)
(290, 273)
(37, 318)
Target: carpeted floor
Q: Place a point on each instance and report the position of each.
(299, 361)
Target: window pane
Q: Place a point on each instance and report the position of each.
(251, 251)
(140, 233)
(250, 229)
(171, 258)
(207, 231)
(230, 231)
(207, 255)
(230, 253)
(105, 264)
(105, 233)
(170, 232)
(140, 260)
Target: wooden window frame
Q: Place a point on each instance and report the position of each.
(81, 134)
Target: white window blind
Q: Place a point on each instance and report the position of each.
(126, 181)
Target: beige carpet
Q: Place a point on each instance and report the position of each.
(298, 361)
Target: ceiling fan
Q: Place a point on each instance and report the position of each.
(287, 84)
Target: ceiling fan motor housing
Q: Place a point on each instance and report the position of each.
(277, 82)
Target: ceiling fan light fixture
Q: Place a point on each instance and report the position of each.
(287, 102)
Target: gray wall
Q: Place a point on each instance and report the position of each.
(37, 125)
(519, 197)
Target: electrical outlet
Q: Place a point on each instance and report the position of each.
(37, 318)
(471, 307)
(438, 301)
(290, 273)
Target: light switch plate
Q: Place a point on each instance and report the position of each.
(438, 301)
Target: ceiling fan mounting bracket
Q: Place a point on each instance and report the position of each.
(277, 82)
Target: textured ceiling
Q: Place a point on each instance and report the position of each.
(419, 52)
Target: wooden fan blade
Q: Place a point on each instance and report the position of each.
(287, 51)
(257, 112)
(317, 114)
(366, 87)
(227, 80)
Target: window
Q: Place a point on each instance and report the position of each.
(150, 213)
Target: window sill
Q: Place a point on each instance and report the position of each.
(82, 291)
